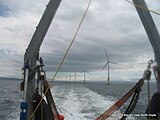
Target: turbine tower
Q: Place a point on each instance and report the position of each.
(108, 67)
(84, 74)
(75, 76)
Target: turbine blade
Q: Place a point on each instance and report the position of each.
(87, 72)
(105, 66)
(106, 54)
(114, 63)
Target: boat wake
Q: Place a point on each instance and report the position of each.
(77, 102)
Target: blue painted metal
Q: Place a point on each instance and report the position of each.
(23, 112)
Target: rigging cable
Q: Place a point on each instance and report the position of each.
(133, 103)
(148, 84)
(64, 57)
(135, 90)
(148, 90)
(146, 76)
(139, 6)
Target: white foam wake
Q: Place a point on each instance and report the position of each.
(80, 103)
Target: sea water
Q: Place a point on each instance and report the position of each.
(77, 101)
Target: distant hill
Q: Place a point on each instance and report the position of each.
(8, 78)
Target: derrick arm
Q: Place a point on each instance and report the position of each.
(32, 52)
(152, 33)
(41, 30)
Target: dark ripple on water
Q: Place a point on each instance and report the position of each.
(117, 90)
(10, 98)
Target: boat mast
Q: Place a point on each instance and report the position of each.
(32, 52)
(152, 33)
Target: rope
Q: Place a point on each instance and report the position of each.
(64, 57)
(148, 89)
(157, 13)
(146, 76)
(133, 102)
(135, 90)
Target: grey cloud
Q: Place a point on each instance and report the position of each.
(110, 25)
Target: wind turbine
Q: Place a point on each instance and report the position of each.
(84, 75)
(66, 77)
(107, 64)
(75, 76)
(70, 77)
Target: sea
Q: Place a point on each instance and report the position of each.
(76, 100)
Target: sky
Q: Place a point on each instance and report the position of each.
(113, 25)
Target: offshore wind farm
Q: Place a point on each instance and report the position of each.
(62, 78)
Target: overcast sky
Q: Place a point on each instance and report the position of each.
(113, 25)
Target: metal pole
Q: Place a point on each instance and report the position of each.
(26, 84)
(33, 48)
(108, 73)
(84, 77)
(152, 33)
